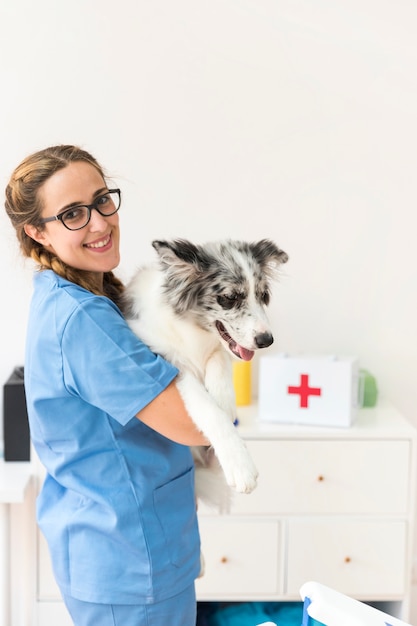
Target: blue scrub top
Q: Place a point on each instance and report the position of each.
(117, 506)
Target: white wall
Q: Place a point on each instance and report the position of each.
(290, 119)
(232, 118)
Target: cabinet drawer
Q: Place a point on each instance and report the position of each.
(359, 558)
(303, 477)
(241, 557)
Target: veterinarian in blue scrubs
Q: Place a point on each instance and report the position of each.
(117, 506)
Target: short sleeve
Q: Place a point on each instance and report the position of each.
(107, 365)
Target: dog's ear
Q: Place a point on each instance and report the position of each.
(182, 254)
(268, 255)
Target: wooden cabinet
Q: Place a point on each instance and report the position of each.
(332, 505)
(241, 558)
(365, 558)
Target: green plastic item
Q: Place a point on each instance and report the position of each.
(370, 389)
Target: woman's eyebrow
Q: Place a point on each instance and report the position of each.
(71, 205)
(100, 191)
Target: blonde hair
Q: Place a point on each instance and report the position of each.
(23, 206)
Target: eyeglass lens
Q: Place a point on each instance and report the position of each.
(79, 216)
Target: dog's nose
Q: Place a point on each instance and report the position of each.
(263, 340)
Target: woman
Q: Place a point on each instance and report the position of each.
(117, 506)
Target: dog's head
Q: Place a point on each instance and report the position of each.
(224, 286)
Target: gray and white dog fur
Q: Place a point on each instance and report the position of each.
(199, 307)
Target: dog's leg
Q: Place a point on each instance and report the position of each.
(219, 382)
(215, 423)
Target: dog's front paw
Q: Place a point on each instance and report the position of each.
(240, 471)
(244, 481)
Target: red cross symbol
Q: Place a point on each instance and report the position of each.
(304, 391)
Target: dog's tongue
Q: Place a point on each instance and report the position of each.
(245, 355)
(239, 351)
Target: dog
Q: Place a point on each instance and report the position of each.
(199, 307)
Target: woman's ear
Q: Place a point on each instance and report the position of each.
(37, 235)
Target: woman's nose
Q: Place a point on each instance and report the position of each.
(97, 221)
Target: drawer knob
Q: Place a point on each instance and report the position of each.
(347, 559)
(320, 478)
(224, 559)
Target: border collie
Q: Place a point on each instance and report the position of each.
(200, 306)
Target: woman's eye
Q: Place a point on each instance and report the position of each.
(73, 214)
(103, 200)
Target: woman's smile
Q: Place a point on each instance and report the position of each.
(100, 244)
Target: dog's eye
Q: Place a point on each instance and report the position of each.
(228, 301)
(265, 297)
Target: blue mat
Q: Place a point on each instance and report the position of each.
(251, 614)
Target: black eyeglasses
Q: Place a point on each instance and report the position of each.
(78, 216)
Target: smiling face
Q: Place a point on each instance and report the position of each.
(94, 248)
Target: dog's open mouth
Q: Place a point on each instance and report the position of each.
(239, 351)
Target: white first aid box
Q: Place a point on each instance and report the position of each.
(311, 390)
